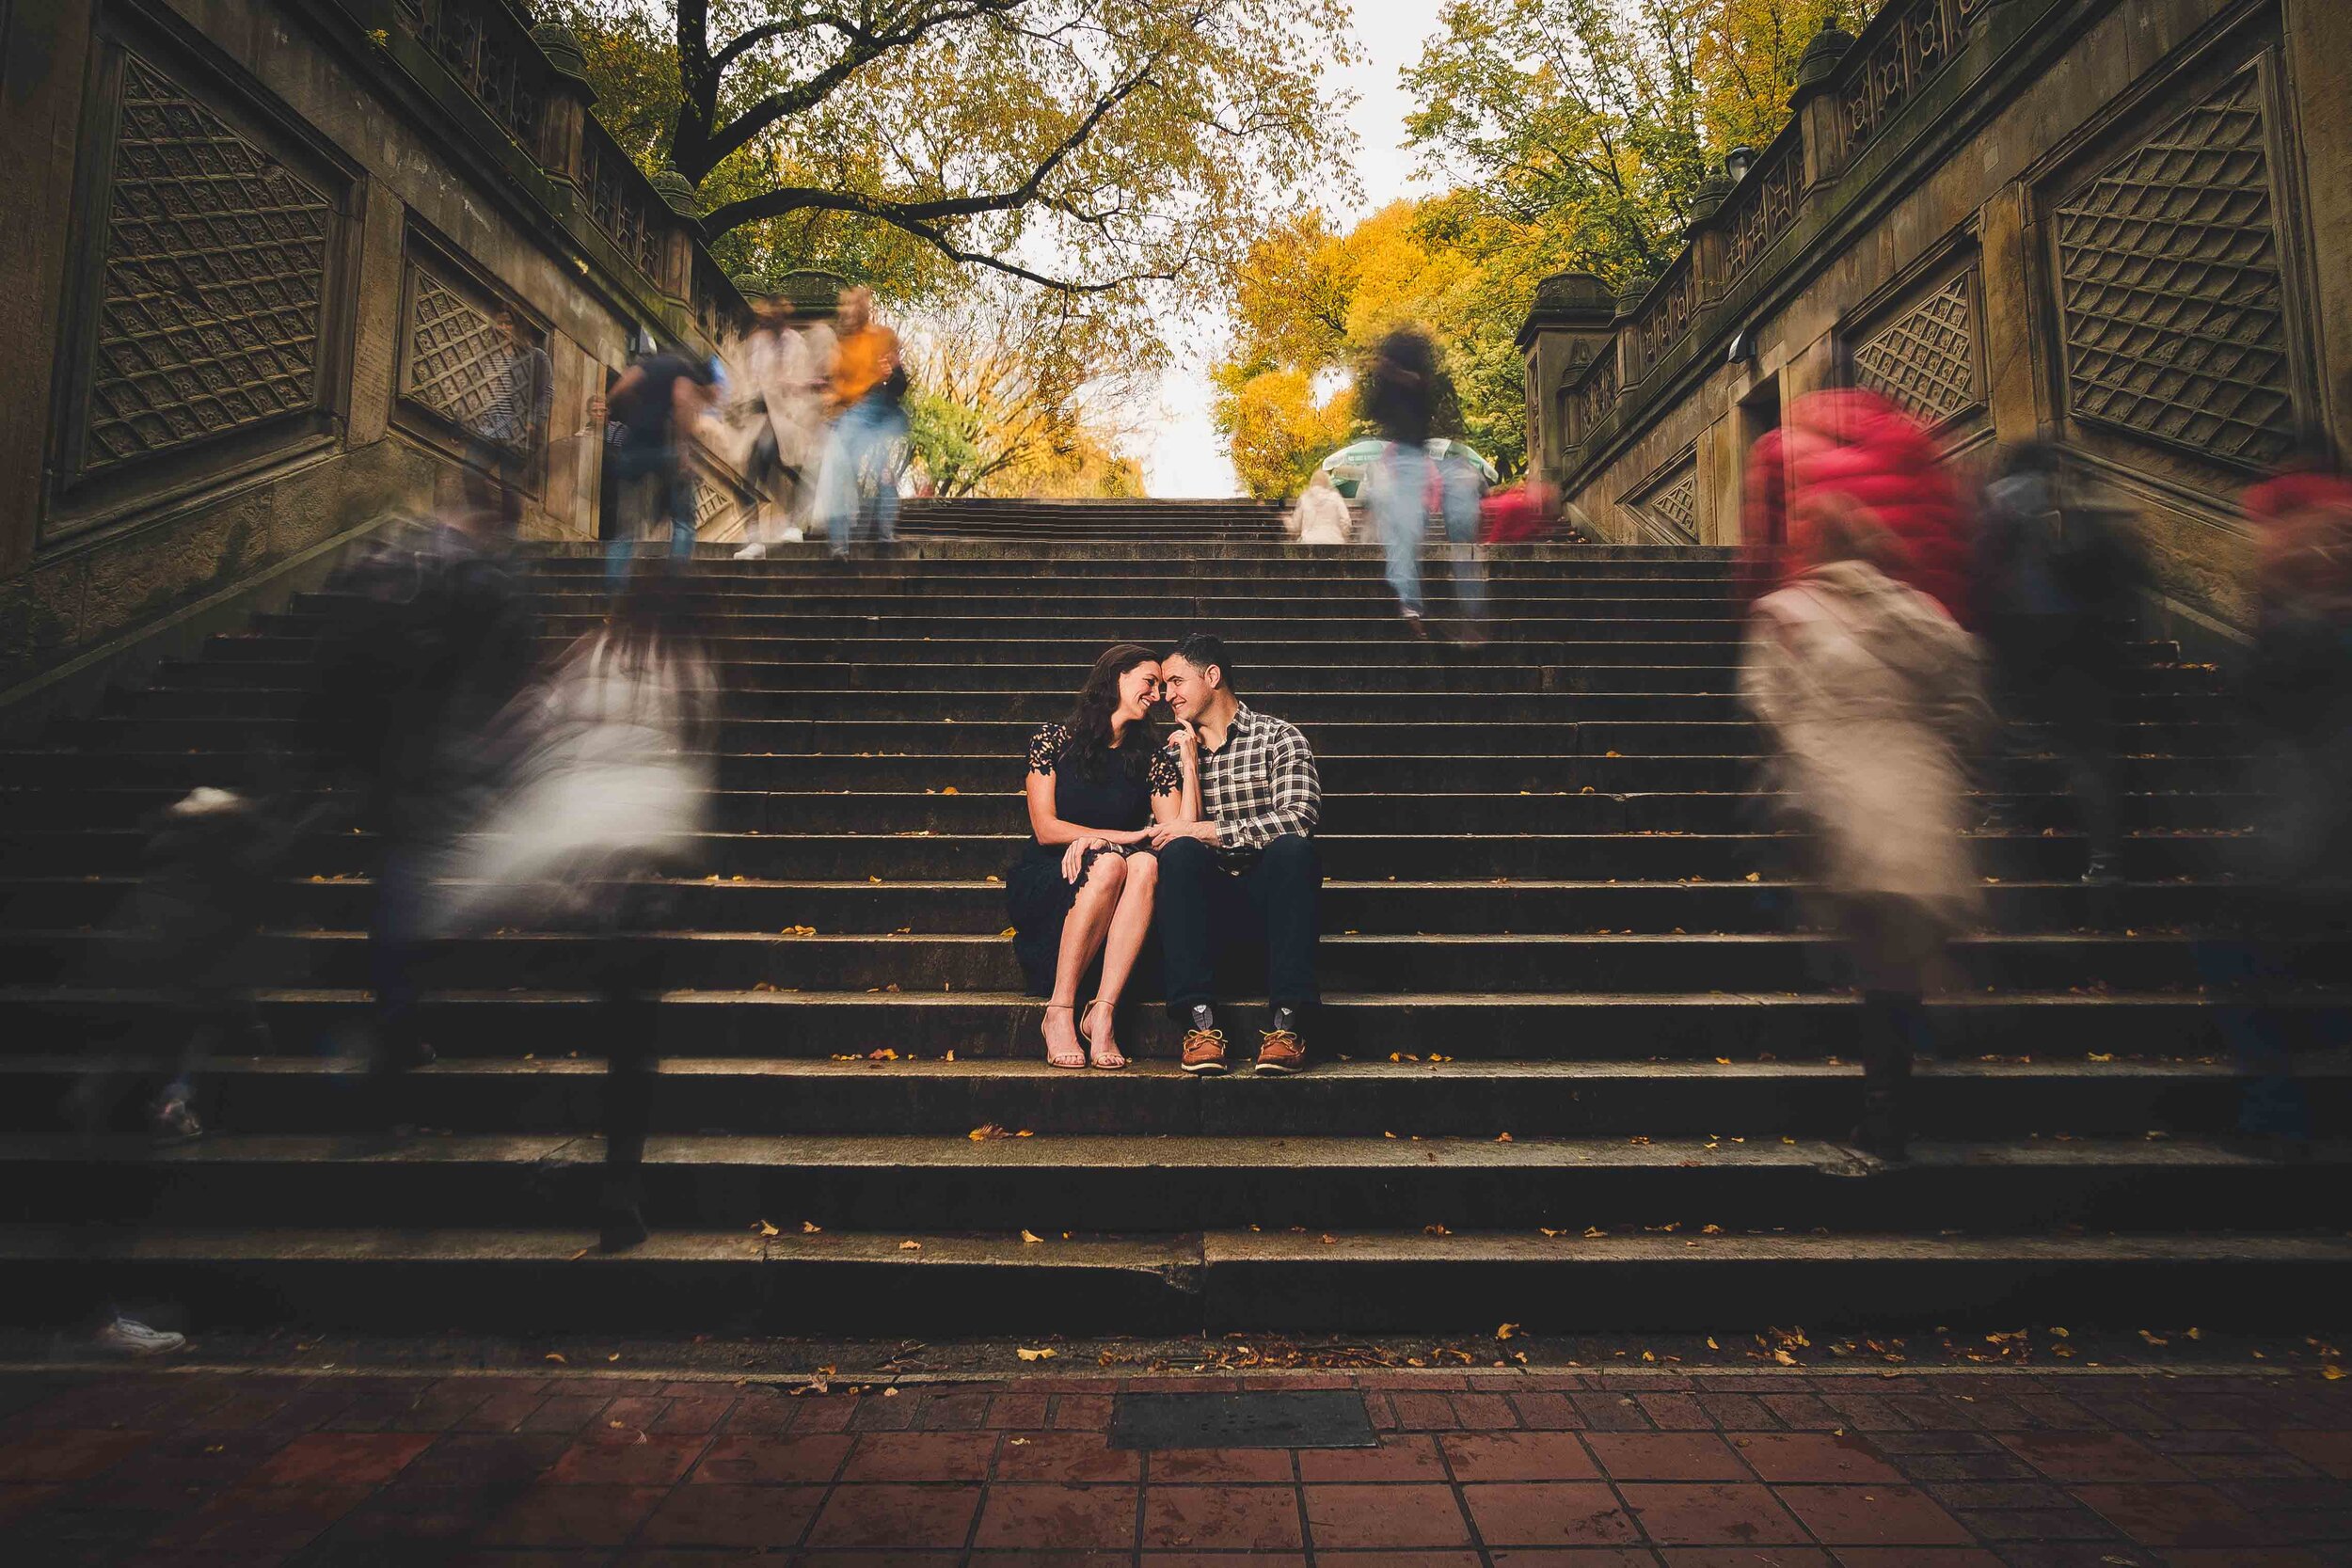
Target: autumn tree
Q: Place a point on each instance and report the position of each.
(1085, 146)
(1028, 392)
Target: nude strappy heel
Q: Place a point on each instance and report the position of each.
(1053, 1057)
(1102, 1054)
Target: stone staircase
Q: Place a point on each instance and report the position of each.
(1576, 1070)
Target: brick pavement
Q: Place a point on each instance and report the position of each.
(211, 1469)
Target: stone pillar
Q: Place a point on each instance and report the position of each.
(2317, 38)
(1815, 108)
(565, 121)
(677, 252)
(2017, 378)
(1629, 299)
(1709, 246)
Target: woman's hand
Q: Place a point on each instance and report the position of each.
(1186, 745)
(1074, 857)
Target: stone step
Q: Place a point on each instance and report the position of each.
(1549, 771)
(1746, 1026)
(929, 857)
(977, 906)
(982, 731)
(1049, 1184)
(2153, 716)
(1703, 1101)
(294, 669)
(727, 1281)
(897, 809)
(872, 1283)
(1493, 963)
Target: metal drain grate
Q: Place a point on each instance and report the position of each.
(1333, 1419)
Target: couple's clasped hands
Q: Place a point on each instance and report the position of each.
(1158, 836)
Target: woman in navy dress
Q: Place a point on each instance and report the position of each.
(1083, 885)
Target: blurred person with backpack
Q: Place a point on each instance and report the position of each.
(2057, 587)
(1870, 699)
(653, 412)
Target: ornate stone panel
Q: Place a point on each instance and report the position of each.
(1926, 358)
(1763, 207)
(2171, 290)
(454, 350)
(215, 259)
(1671, 504)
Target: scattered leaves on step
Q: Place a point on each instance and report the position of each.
(1637, 1139)
(2102, 1055)
(884, 1054)
(1711, 1230)
(2154, 1338)
(1594, 1233)
(765, 1228)
(1506, 1330)
(997, 881)
(577, 1255)
(798, 931)
(1435, 1230)
(1400, 1057)
(869, 879)
(1755, 877)
(810, 1227)
(1330, 1241)
(1008, 930)
(764, 985)
(1712, 1344)
(1031, 1238)
(2332, 1372)
(986, 1131)
(1502, 1137)
(1044, 1353)
(556, 1357)
(910, 1246)
(950, 791)
(1784, 1358)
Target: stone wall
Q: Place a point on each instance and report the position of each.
(2101, 221)
(256, 246)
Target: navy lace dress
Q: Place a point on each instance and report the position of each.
(1039, 895)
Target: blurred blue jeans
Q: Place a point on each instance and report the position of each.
(1399, 499)
(677, 484)
(1463, 487)
(860, 460)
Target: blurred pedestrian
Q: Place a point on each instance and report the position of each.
(773, 395)
(1462, 487)
(1397, 392)
(438, 639)
(1848, 440)
(1521, 513)
(1321, 517)
(507, 435)
(609, 788)
(859, 477)
(653, 412)
(1870, 699)
(2296, 700)
(2057, 587)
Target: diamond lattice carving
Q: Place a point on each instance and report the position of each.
(2174, 305)
(454, 351)
(1926, 360)
(1675, 502)
(216, 255)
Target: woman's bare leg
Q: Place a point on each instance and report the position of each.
(1081, 938)
(1130, 924)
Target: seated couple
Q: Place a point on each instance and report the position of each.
(1216, 825)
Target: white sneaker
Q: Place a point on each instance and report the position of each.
(129, 1337)
(752, 552)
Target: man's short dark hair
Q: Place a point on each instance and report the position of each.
(1201, 649)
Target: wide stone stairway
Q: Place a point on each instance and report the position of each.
(1577, 1069)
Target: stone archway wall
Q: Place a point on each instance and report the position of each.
(2107, 221)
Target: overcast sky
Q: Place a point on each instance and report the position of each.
(1185, 455)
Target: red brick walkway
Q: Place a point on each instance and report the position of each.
(243, 1471)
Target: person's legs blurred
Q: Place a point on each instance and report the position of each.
(630, 971)
(1461, 532)
(685, 521)
(1400, 512)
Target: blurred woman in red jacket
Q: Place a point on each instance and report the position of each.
(1854, 442)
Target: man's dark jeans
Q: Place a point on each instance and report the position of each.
(1277, 901)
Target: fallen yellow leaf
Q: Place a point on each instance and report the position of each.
(556, 1355)
(810, 1227)
(1028, 1354)
(1506, 1331)
(910, 1246)
(1031, 1238)
(765, 1228)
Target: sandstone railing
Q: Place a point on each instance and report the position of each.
(1850, 95)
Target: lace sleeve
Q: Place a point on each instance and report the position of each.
(1045, 748)
(1164, 776)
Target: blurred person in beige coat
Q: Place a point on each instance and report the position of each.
(1872, 698)
(1320, 516)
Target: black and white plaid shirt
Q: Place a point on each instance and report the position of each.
(1259, 785)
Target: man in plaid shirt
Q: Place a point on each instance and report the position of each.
(1240, 856)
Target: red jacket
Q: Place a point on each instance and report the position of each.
(1854, 442)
